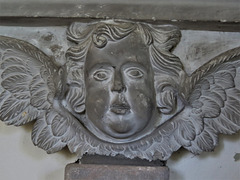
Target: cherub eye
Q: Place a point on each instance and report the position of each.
(101, 75)
(134, 73)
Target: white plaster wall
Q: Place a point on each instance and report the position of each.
(217, 165)
(21, 160)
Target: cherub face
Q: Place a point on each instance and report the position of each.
(120, 97)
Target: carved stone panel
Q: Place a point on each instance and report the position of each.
(119, 90)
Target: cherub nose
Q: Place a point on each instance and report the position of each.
(118, 85)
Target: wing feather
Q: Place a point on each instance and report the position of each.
(29, 88)
(212, 106)
(53, 131)
(14, 70)
(16, 78)
(215, 98)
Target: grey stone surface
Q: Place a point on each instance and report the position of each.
(116, 172)
(224, 10)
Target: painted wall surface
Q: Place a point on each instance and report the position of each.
(20, 159)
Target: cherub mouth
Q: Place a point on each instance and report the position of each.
(120, 108)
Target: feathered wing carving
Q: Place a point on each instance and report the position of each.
(212, 106)
(216, 100)
(29, 83)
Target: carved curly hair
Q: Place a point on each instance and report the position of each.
(160, 39)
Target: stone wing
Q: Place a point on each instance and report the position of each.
(215, 100)
(29, 83)
(212, 106)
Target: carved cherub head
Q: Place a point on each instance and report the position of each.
(121, 92)
(123, 77)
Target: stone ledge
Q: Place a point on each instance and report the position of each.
(115, 172)
(182, 10)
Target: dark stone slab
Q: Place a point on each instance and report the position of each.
(118, 160)
(115, 172)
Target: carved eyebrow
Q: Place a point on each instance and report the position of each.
(133, 64)
(100, 66)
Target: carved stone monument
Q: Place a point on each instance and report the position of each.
(121, 92)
